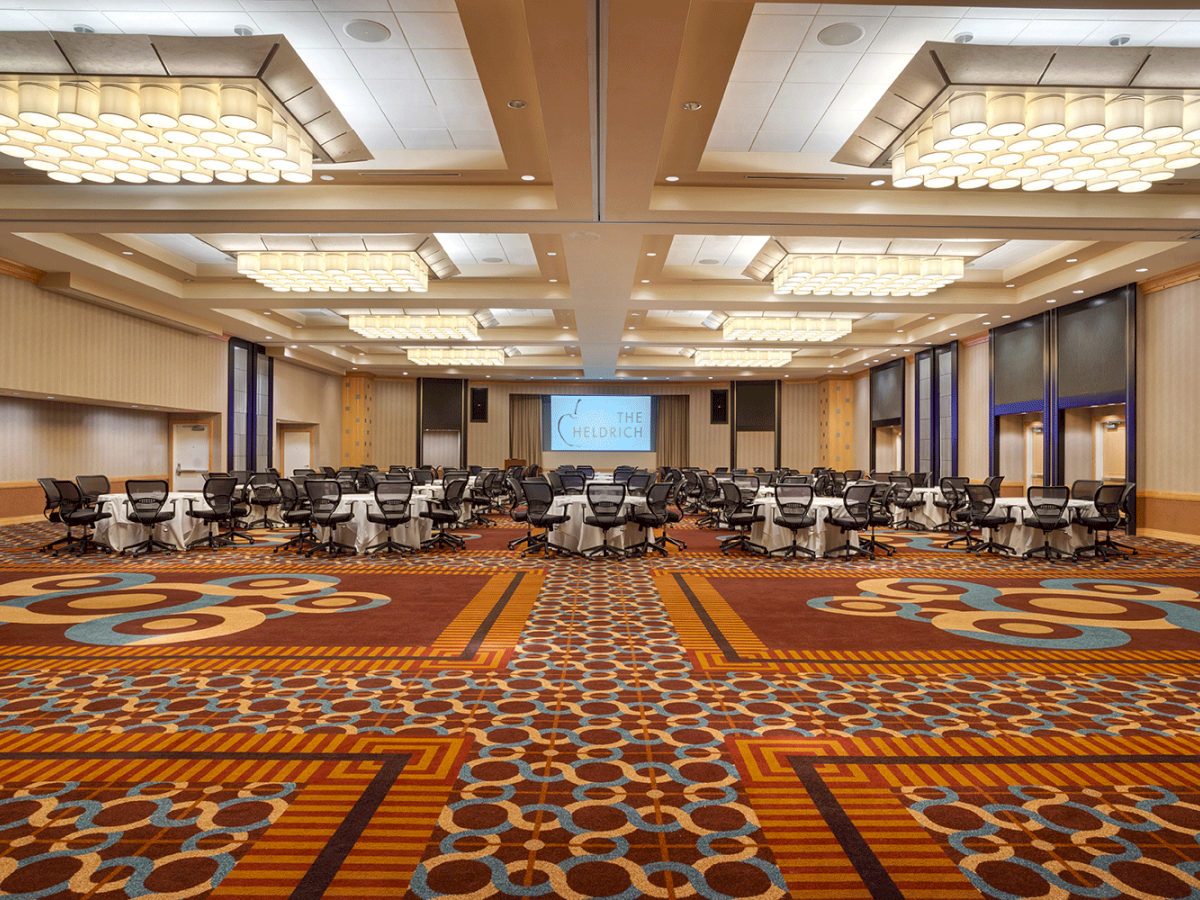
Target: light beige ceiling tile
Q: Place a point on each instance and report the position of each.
(446, 63)
(132, 22)
(426, 139)
(786, 9)
(805, 96)
(839, 121)
(430, 30)
(477, 118)
(753, 66)
(415, 117)
(280, 5)
(1149, 13)
(1139, 31)
(204, 5)
(397, 63)
(424, 6)
(775, 33)
(739, 118)
(934, 12)
(824, 142)
(301, 28)
(338, 21)
(779, 142)
(999, 12)
(903, 35)
(328, 63)
(352, 5)
(1054, 31)
(54, 20)
(879, 68)
(793, 120)
(475, 138)
(400, 94)
(990, 31)
(749, 93)
(822, 68)
(214, 23)
(730, 141)
(459, 92)
(848, 10)
(859, 97)
(1181, 34)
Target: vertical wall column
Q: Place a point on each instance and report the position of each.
(358, 413)
(836, 411)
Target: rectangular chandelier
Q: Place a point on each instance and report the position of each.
(430, 328)
(784, 329)
(754, 359)
(847, 275)
(1117, 118)
(320, 271)
(456, 356)
(140, 130)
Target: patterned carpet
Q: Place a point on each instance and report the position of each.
(476, 725)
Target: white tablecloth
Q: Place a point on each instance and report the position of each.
(819, 538)
(575, 535)
(360, 533)
(1023, 537)
(120, 532)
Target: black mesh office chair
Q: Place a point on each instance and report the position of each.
(554, 479)
(219, 507)
(1128, 511)
(711, 502)
(881, 516)
(1085, 489)
(793, 511)
(639, 483)
(953, 501)
(294, 510)
(539, 506)
(994, 482)
(655, 515)
(674, 515)
(51, 513)
(76, 512)
(573, 483)
(262, 490)
(392, 499)
(606, 504)
(483, 498)
(1047, 512)
(1102, 519)
(518, 511)
(422, 477)
(982, 513)
(920, 479)
(146, 504)
(853, 474)
(445, 514)
(855, 515)
(740, 514)
(324, 498)
(903, 499)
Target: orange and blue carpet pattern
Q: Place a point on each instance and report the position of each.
(472, 725)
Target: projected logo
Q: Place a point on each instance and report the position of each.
(601, 423)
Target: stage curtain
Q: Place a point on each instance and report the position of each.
(673, 430)
(525, 428)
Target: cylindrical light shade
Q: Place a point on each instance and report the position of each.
(79, 104)
(1123, 117)
(942, 138)
(199, 106)
(159, 105)
(239, 106)
(1163, 118)
(1084, 115)
(1005, 114)
(1046, 115)
(38, 104)
(118, 106)
(968, 114)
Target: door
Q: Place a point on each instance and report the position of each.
(297, 450)
(190, 447)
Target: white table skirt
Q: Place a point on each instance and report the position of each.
(360, 533)
(575, 534)
(818, 539)
(119, 532)
(1022, 537)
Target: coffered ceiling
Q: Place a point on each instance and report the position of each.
(607, 178)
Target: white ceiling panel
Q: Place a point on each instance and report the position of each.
(775, 33)
(432, 30)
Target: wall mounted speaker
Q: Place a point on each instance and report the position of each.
(479, 404)
(719, 410)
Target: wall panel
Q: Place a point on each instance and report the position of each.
(395, 423)
(800, 419)
(756, 448)
(973, 408)
(307, 397)
(862, 424)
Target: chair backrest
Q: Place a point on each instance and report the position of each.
(474, 470)
(621, 475)
(639, 482)
(263, 487)
(241, 475)
(92, 486)
(712, 489)
(146, 495)
(565, 467)
(573, 482)
(539, 497)
(348, 481)
(793, 500)
(51, 492)
(658, 495)
(70, 498)
(1128, 501)
(218, 493)
(839, 481)
(393, 496)
(324, 494)
(853, 474)
(721, 469)
(980, 500)
(289, 493)
(1048, 504)
(953, 489)
(994, 482)
(902, 487)
(920, 479)
(1107, 501)
(1084, 489)
(453, 490)
(605, 500)
(586, 471)
(747, 484)
(734, 499)
(330, 471)
(856, 498)
(422, 476)
(555, 480)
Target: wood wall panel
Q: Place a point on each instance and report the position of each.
(973, 410)
(862, 425)
(54, 345)
(908, 462)
(1168, 393)
(800, 421)
(307, 397)
(395, 430)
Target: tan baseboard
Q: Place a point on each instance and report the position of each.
(21, 520)
(1172, 514)
(1177, 536)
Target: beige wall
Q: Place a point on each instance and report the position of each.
(395, 423)
(74, 350)
(973, 410)
(756, 448)
(306, 397)
(908, 461)
(862, 424)
(800, 421)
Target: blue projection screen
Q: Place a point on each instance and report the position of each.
(598, 424)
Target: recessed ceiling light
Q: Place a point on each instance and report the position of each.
(987, 323)
(267, 338)
(492, 259)
(554, 281)
(528, 177)
(899, 331)
(355, 368)
(49, 398)
(127, 253)
(1006, 317)
(692, 105)
(1010, 285)
(1076, 292)
(1072, 259)
(877, 182)
(672, 178)
(366, 30)
(243, 30)
(709, 378)
(652, 254)
(515, 104)
(929, 343)
(1141, 270)
(1051, 301)
(1118, 40)
(645, 281)
(954, 334)
(551, 253)
(327, 178)
(295, 346)
(964, 37)
(631, 328)
(405, 373)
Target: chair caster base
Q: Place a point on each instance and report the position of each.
(793, 551)
(1045, 551)
(993, 547)
(605, 550)
(849, 551)
(333, 548)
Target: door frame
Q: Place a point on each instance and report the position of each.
(208, 422)
(284, 428)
